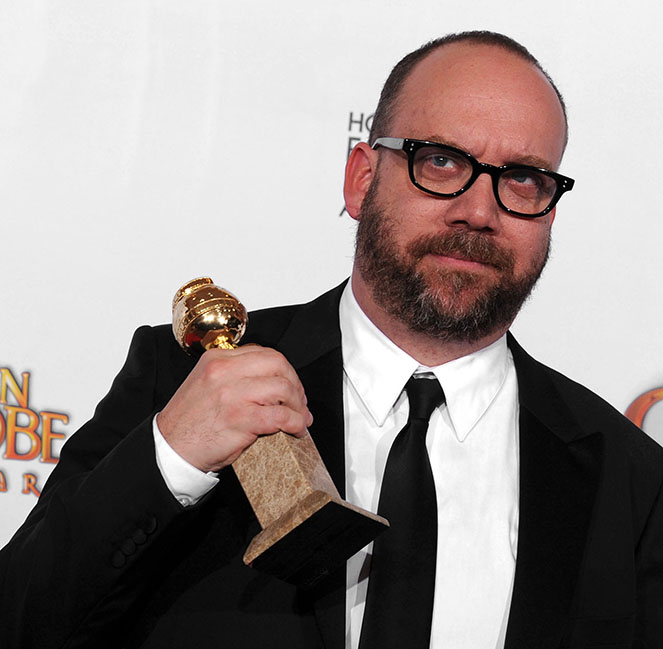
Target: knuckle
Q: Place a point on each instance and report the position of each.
(213, 370)
(273, 353)
(282, 386)
(277, 360)
(280, 417)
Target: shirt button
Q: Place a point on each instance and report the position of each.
(185, 501)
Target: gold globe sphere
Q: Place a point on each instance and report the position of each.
(205, 316)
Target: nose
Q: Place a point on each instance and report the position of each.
(476, 208)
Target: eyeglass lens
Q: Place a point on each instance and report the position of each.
(444, 171)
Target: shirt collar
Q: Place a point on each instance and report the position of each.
(378, 370)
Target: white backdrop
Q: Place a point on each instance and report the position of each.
(146, 142)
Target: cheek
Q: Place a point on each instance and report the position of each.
(529, 241)
(419, 216)
(531, 248)
(405, 222)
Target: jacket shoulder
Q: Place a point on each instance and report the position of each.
(548, 393)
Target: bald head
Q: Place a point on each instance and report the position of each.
(393, 87)
(482, 99)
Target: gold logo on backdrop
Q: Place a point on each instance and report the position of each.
(642, 405)
(26, 433)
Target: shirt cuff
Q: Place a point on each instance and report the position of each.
(187, 483)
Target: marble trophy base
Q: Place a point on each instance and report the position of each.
(308, 529)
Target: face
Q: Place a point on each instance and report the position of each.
(441, 300)
(459, 268)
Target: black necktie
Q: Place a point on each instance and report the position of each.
(401, 586)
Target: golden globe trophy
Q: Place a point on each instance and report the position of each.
(308, 530)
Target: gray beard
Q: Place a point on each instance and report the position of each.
(441, 311)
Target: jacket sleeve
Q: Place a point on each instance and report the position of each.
(79, 561)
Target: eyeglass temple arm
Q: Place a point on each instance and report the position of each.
(395, 143)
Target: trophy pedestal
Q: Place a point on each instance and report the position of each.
(308, 529)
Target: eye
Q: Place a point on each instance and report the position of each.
(529, 182)
(440, 160)
(523, 177)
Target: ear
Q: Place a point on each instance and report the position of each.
(359, 173)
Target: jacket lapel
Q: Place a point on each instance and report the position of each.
(560, 466)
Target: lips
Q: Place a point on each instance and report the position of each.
(464, 258)
(464, 246)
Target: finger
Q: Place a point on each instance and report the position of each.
(267, 393)
(265, 361)
(236, 379)
(272, 391)
(256, 360)
(267, 420)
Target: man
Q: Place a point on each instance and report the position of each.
(548, 503)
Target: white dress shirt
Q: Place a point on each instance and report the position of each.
(187, 483)
(473, 448)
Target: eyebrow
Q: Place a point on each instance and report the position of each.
(533, 161)
(528, 160)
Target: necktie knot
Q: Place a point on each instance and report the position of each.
(424, 395)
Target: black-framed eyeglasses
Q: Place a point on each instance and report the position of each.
(445, 171)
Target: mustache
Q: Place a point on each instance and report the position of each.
(472, 246)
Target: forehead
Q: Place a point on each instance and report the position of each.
(484, 99)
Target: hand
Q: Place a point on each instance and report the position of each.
(230, 398)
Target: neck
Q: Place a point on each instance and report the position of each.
(425, 349)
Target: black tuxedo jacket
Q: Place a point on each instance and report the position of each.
(109, 558)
